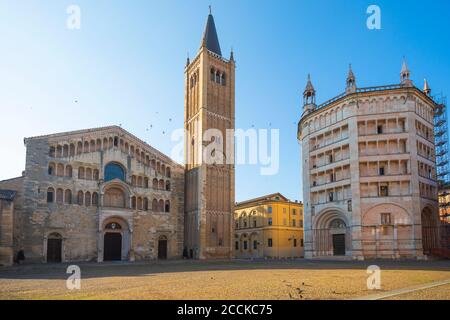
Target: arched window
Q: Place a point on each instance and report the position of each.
(50, 195)
(87, 199)
(59, 196)
(139, 203)
(96, 175)
(155, 205)
(68, 197)
(66, 150)
(80, 173)
(139, 182)
(60, 170)
(58, 151)
(145, 204)
(161, 184)
(133, 202)
(114, 171)
(69, 171)
(51, 152)
(95, 199)
(51, 169)
(167, 185)
(146, 182)
(217, 77)
(224, 79)
(88, 174)
(168, 172)
(86, 147)
(80, 198)
(72, 150)
(213, 74)
(79, 147)
(155, 183)
(161, 206)
(167, 207)
(133, 181)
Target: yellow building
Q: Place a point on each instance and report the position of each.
(268, 227)
(444, 205)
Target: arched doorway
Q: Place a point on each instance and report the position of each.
(429, 231)
(54, 248)
(330, 235)
(112, 242)
(162, 248)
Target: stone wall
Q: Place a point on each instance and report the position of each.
(6, 232)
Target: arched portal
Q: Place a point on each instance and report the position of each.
(162, 248)
(331, 234)
(115, 240)
(54, 248)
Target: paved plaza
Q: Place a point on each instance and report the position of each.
(239, 279)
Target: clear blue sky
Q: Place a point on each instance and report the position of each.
(125, 66)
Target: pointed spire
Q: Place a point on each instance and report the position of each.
(404, 74)
(188, 61)
(351, 81)
(404, 66)
(210, 39)
(309, 86)
(309, 95)
(426, 88)
(232, 54)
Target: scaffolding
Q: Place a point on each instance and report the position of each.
(442, 155)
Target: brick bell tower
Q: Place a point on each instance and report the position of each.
(208, 113)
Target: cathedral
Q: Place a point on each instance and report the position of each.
(103, 194)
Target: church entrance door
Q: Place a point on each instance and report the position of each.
(113, 247)
(162, 248)
(339, 244)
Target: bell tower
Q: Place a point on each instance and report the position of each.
(209, 153)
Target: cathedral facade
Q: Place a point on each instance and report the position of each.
(103, 194)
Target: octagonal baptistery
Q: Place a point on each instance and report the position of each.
(99, 194)
(369, 172)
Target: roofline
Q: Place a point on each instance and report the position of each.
(365, 90)
(265, 199)
(114, 127)
(10, 179)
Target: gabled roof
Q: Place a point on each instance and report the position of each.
(117, 129)
(7, 195)
(269, 197)
(210, 39)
